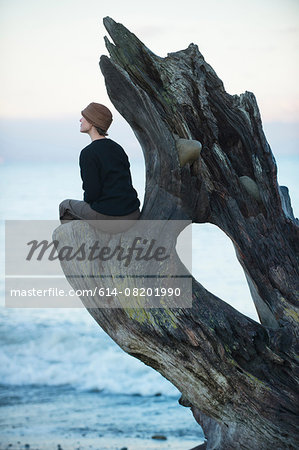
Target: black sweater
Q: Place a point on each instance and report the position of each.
(106, 176)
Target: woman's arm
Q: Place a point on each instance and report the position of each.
(91, 177)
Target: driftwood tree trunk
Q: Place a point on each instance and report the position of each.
(239, 377)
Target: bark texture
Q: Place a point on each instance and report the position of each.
(239, 377)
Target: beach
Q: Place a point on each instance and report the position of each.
(64, 383)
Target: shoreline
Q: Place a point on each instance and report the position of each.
(31, 442)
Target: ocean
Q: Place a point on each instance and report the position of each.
(64, 383)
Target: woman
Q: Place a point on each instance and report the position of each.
(105, 172)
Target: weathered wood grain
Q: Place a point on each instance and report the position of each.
(239, 377)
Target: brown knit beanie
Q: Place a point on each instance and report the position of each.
(98, 115)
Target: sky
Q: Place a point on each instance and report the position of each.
(50, 52)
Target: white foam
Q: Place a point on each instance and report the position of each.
(42, 347)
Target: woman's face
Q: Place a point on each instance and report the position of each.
(85, 126)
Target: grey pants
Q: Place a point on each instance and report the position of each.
(70, 209)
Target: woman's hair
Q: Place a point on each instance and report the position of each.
(101, 132)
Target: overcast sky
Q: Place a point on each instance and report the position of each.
(50, 52)
(50, 49)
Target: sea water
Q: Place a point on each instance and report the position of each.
(61, 375)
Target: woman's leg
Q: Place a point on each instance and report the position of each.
(79, 210)
(71, 209)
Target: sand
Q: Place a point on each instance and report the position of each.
(100, 443)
